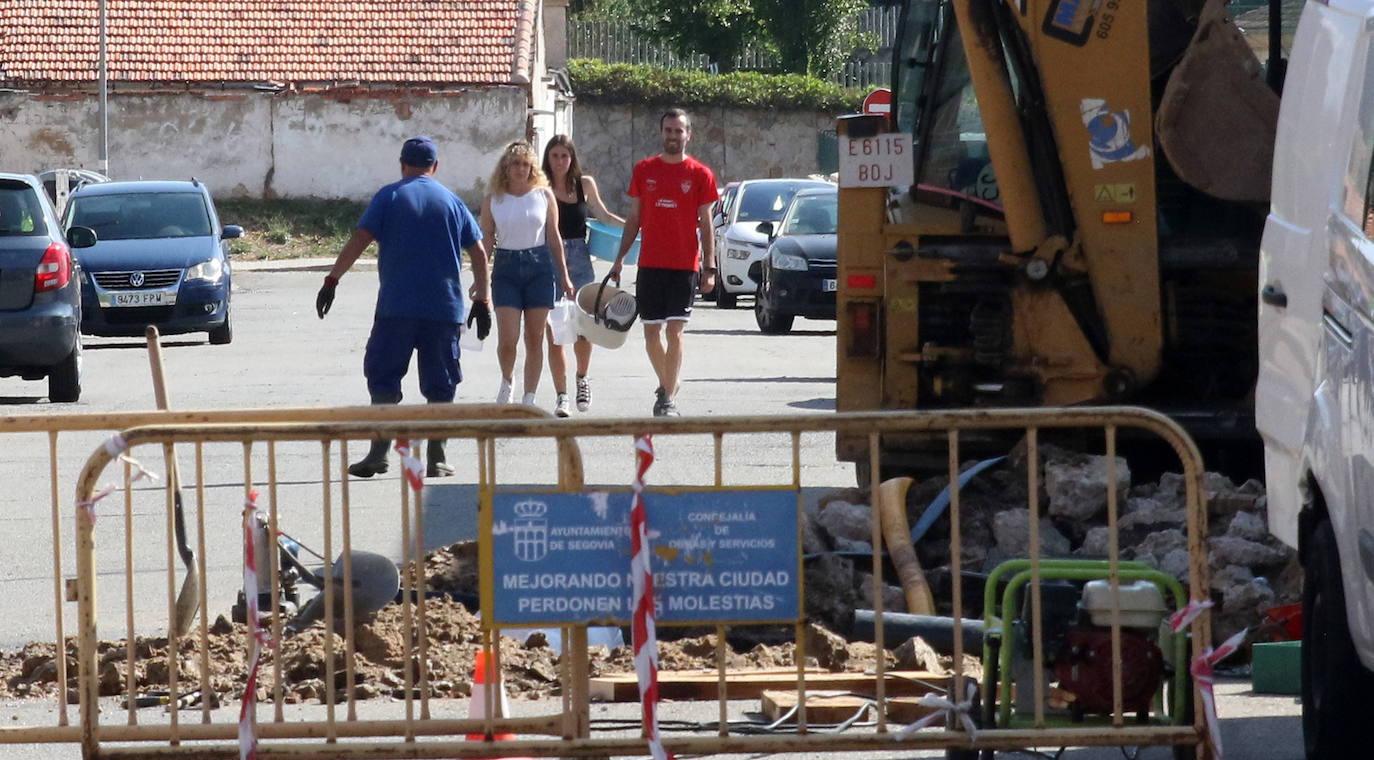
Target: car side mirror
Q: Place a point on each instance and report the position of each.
(765, 228)
(81, 237)
(231, 231)
(718, 220)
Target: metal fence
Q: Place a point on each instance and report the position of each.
(619, 42)
(308, 456)
(38, 499)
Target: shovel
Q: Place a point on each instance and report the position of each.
(188, 600)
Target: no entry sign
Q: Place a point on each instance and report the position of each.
(878, 102)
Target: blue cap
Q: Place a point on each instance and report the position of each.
(419, 152)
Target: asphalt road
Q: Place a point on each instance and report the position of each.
(282, 355)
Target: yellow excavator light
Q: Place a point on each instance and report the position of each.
(1116, 217)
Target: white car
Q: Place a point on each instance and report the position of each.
(740, 245)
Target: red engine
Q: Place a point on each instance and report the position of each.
(1084, 670)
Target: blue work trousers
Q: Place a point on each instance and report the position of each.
(388, 357)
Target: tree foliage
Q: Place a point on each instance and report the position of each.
(597, 81)
(721, 29)
(811, 36)
(601, 9)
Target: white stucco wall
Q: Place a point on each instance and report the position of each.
(324, 148)
(250, 144)
(736, 143)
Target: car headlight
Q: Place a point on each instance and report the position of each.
(210, 270)
(788, 261)
(737, 253)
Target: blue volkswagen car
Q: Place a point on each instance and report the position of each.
(160, 258)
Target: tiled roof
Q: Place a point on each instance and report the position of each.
(394, 42)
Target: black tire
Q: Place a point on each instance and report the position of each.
(64, 381)
(724, 299)
(1336, 688)
(223, 334)
(770, 322)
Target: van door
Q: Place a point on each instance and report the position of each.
(1311, 158)
(1347, 331)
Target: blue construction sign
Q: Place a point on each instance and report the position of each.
(718, 556)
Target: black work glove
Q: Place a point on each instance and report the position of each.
(480, 314)
(325, 298)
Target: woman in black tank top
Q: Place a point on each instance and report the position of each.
(576, 194)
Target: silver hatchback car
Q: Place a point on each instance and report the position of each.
(40, 295)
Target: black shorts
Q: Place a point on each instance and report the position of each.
(665, 294)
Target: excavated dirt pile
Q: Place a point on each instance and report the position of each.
(530, 667)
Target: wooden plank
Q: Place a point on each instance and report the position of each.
(837, 708)
(750, 684)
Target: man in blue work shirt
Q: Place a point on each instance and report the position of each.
(420, 227)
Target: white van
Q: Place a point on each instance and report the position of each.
(1315, 396)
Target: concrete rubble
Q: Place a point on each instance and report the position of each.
(1250, 571)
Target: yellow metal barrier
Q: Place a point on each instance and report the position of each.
(567, 449)
(38, 443)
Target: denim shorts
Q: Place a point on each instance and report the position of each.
(579, 258)
(523, 279)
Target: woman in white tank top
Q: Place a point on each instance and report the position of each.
(521, 217)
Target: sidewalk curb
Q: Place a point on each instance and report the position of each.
(299, 265)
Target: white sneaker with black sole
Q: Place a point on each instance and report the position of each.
(584, 394)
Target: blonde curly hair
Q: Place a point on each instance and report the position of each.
(517, 151)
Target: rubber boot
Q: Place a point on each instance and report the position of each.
(437, 466)
(374, 463)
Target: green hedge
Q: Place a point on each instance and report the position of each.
(600, 82)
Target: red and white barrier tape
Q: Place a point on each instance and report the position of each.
(248, 740)
(411, 465)
(643, 634)
(1203, 666)
(1180, 620)
(1202, 670)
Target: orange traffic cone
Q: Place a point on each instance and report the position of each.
(478, 706)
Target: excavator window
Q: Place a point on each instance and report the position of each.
(914, 54)
(937, 104)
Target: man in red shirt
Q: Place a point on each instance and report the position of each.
(670, 200)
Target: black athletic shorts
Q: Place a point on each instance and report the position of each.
(665, 294)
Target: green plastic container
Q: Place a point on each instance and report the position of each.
(1276, 667)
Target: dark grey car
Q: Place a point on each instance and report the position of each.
(40, 295)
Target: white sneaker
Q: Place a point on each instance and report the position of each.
(503, 395)
(584, 394)
(528, 400)
(561, 408)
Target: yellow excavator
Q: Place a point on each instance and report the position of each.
(1064, 206)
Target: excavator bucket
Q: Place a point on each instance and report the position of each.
(1217, 119)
